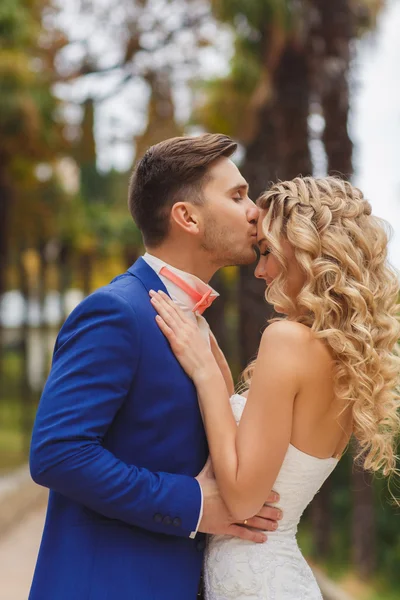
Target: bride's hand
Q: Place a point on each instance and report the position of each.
(184, 336)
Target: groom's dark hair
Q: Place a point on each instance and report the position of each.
(172, 171)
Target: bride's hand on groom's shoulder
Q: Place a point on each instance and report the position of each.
(184, 336)
(216, 519)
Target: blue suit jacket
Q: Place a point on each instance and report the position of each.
(118, 439)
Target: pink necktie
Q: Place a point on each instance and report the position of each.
(202, 301)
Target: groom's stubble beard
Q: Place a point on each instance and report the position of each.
(221, 245)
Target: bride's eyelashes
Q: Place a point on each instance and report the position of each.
(265, 253)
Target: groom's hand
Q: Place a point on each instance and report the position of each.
(217, 520)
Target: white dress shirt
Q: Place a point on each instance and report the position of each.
(186, 303)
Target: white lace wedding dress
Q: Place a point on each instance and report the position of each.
(276, 570)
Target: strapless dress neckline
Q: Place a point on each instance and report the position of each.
(276, 570)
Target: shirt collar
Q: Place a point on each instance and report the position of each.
(176, 293)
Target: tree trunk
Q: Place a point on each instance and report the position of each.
(5, 204)
(363, 524)
(321, 521)
(292, 83)
(25, 388)
(329, 63)
(332, 35)
(86, 263)
(279, 151)
(42, 297)
(130, 254)
(260, 167)
(63, 278)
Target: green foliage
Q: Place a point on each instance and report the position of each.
(257, 13)
(259, 26)
(226, 100)
(27, 106)
(16, 24)
(223, 109)
(385, 594)
(387, 528)
(99, 223)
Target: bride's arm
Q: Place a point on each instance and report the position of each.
(246, 459)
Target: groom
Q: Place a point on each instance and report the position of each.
(118, 436)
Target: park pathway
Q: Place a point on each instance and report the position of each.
(18, 553)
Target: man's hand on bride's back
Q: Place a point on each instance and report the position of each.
(217, 521)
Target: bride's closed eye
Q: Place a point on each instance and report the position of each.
(265, 253)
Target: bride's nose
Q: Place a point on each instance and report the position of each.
(259, 271)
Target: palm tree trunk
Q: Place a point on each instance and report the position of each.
(5, 204)
(280, 150)
(329, 64)
(363, 523)
(332, 35)
(321, 521)
(292, 83)
(260, 167)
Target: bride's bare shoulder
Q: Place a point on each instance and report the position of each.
(288, 331)
(295, 338)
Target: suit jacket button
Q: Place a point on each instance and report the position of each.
(201, 545)
(157, 518)
(177, 522)
(167, 520)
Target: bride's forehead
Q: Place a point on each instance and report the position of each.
(261, 225)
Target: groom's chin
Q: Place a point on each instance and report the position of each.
(242, 260)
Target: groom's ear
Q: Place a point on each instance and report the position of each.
(186, 216)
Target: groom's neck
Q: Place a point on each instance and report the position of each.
(189, 260)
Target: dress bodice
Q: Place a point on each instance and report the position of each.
(275, 570)
(299, 479)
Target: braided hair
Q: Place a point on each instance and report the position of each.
(349, 299)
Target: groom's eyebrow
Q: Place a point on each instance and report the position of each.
(239, 186)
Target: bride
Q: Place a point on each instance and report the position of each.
(326, 370)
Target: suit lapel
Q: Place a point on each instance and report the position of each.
(147, 276)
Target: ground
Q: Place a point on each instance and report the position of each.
(18, 553)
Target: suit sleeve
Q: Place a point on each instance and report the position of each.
(94, 364)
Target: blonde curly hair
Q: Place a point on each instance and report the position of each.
(349, 299)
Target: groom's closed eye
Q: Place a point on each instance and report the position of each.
(238, 192)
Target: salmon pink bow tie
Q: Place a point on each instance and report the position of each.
(203, 301)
